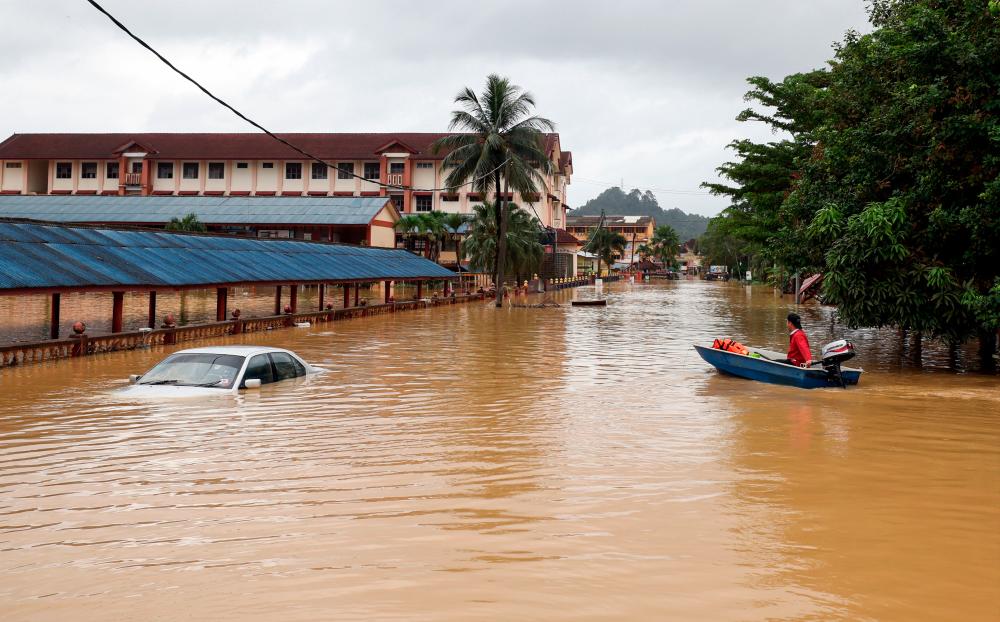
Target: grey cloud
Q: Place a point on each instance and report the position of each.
(647, 91)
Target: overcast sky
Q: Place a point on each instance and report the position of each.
(641, 91)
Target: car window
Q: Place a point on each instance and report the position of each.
(286, 367)
(259, 368)
(196, 369)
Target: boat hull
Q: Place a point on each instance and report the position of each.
(773, 372)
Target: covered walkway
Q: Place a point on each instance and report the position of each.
(47, 258)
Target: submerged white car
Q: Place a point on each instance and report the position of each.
(218, 370)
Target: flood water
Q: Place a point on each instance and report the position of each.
(465, 463)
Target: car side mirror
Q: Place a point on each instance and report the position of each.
(133, 378)
(252, 383)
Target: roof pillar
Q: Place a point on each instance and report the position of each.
(151, 321)
(277, 300)
(420, 290)
(388, 291)
(322, 295)
(221, 300)
(117, 311)
(357, 294)
(347, 295)
(54, 325)
(293, 298)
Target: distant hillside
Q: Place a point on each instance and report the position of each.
(635, 203)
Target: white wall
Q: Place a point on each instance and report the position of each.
(12, 178)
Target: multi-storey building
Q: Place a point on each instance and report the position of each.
(256, 165)
(638, 230)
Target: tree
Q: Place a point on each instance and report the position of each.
(501, 148)
(889, 180)
(665, 245)
(453, 224)
(190, 222)
(428, 227)
(523, 246)
(606, 245)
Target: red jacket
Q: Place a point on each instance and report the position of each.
(798, 347)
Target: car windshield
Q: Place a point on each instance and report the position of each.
(196, 370)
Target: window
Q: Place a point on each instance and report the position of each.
(111, 170)
(259, 368)
(216, 170)
(88, 170)
(164, 170)
(318, 170)
(372, 170)
(286, 367)
(449, 197)
(293, 170)
(345, 170)
(425, 165)
(396, 168)
(64, 170)
(196, 370)
(242, 165)
(267, 164)
(424, 203)
(137, 167)
(13, 165)
(190, 170)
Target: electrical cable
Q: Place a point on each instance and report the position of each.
(266, 131)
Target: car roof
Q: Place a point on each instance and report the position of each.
(234, 350)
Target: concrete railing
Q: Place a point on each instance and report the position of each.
(84, 345)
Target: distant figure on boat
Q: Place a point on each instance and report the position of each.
(798, 343)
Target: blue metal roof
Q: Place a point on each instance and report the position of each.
(47, 256)
(210, 210)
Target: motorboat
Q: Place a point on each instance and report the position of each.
(770, 366)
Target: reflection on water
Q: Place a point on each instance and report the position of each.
(467, 463)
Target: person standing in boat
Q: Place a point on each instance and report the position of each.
(798, 343)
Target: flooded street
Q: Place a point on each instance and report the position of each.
(465, 463)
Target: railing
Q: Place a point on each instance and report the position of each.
(133, 179)
(83, 345)
(395, 179)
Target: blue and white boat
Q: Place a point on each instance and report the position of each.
(768, 366)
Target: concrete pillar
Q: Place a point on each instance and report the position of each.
(54, 326)
(322, 295)
(277, 300)
(221, 300)
(420, 290)
(117, 311)
(151, 322)
(388, 291)
(293, 297)
(347, 296)
(357, 294)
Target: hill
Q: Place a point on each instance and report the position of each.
(635, 203)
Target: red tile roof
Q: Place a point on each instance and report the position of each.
(565, 237)
(219, 146)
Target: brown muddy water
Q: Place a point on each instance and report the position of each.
(465, 463)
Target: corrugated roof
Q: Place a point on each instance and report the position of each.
(47, 256)
(210, 210)
(229, 146)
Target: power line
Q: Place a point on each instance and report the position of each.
(260, 127)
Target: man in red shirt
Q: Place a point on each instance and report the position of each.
(798, 343)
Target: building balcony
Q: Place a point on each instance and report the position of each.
(395, 179)
(133, 179)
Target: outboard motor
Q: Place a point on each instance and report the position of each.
(835, 353)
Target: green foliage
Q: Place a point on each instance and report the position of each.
(635, 203)
(889, 181)
(524, 248)
(427, 226)
(190, 222)
(665, 245)
(607, 245)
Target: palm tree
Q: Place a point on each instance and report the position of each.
(453, 224)
(523, 248)
(502, 141)
(190, 222)
(665, 244)
(606, 245)
(429, 227)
